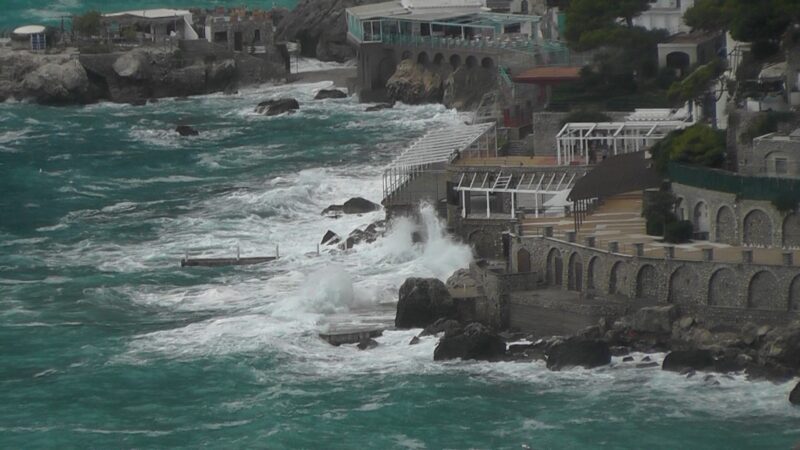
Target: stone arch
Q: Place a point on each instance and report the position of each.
(438, 59)
(647, 283)
(406, 55)
(555, 267)
(423, 58)
(794, 294)
(683, 286)
(523, 261)
(680, 208)
(726, 226)
(700, 218)
(762, 292)
(757, 229)
(575, 272)
(791, 231)
(487, 63)
(615, 278)
(471, 62)
(455, 61)
(483, 243)
(591, 273)
(524, 7)
(723, 289)
(680, 61)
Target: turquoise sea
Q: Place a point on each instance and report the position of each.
(106, 343)
(25, 12)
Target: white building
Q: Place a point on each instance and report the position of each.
(665, 15)
(155, 24)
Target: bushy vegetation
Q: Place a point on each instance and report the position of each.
(678, 232)
(786, 202)
(88, 24)
(698, 145)
(695, 86)
(659, 210)
(764, 124)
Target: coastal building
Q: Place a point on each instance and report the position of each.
(29, 37)
(665, 15)
(238, 29)
(772, 155)
(685, 50)
(151, 25)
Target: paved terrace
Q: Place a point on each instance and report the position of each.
(619, 220)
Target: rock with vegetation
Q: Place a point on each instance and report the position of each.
(475, 342)
(278, 106)
(413, 83)
(576, 351)
(422, 301)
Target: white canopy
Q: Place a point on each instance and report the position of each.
(29, 29)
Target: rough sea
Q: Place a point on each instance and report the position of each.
(105, 342)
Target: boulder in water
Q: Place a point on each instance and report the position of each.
(366, 344)
(54, 83)
(794, 396)
(277, 106)
(330, 238)
(355, 205)
(680, 360)
(186, 130)
(421, 302)
(586, 353)
(475, 341)
(379, 107)
(329, 93)
(443, 325)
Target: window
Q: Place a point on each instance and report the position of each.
(781, 166)
(257, 36)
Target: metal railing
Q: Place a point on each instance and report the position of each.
(752, 188)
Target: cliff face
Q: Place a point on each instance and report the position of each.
(413, 83)
(320, 28)
(130, 77)
(465, 87)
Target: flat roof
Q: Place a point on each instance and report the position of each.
(160, 13)
(30, 29)
(548, 74)
(431, 11)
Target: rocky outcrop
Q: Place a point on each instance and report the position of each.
(320, 28)
(682, 360)
(443, 325)
(465, 88)
(413, 83)
(330, 238)
(329, 93)
(794, 396)
(574, 352)
(475, 341)
(133, 65)
(186, 130)
(277, 106)
(421, 302)
(54, 83)
(355, 205)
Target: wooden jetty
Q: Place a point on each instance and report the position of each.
(352, 336)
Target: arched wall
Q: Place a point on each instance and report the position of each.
(647, 283)
(682, 286)
(757, 294)
(757, 229)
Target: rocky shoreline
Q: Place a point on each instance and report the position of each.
(760, 352)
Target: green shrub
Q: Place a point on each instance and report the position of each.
(678, 232)
(88, 24)
(785, 202)
(659, 210)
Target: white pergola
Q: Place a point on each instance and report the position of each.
(536, 183)
(575, 138)
(440, 146)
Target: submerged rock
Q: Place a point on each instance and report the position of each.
(277, 106)
(421, 302)
(379, 107)
(366, 344)
(329, 93)
(186, 130)
(475, 341)
(681, 360)
(586, 353)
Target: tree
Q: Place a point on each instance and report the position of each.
(698, 144)
(591, 22)
(88, 24)
(695, 86)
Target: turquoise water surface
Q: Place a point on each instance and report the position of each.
(106, 343)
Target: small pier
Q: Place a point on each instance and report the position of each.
(235, 261)
(352, 336)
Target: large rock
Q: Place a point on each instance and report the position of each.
(422, 301)
(320, 28)
(54, 83)
(355, 205)
(186, 130)
(329, 93)
(782, 346)
(573, 352)
(681, 360)
(134, 65)
(443, 325)
(379, 107)
(474, 342)
(277, 106)
(330, 238)
(465, 88)
(653, 319)
(794, 396)
(413, 83)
